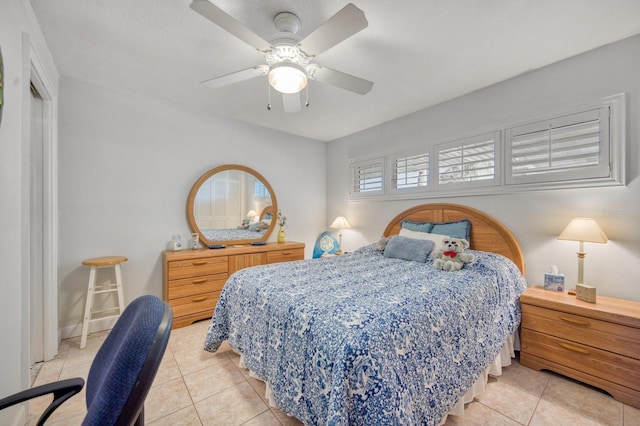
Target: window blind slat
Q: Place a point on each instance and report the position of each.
(410, 172)
(467, 161)
(367, 177)
(565, 144)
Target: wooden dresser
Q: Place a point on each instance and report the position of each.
(596, 343)
(193, 279)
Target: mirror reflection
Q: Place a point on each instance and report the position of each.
(231, 204)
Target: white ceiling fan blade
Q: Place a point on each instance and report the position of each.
(237, 76)
(342, 80)
(230, 24)
(345, 23)
(291, 102)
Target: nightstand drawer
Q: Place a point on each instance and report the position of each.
(197, 267)
(600, 334)
(599, 363)
(285, 255)
(195, 285)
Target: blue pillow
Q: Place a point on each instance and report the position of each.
(258, 226)
(416, 226)
(458, 229)
(405, 248)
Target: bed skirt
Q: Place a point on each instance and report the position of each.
(494, 369)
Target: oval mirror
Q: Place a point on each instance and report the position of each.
(232, 204)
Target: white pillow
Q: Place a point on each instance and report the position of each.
(436, 238)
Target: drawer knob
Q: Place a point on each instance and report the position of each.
(199, 262)
(199, 281)
(575, 321)
(575, 348)
(199, 299)
(286, 253)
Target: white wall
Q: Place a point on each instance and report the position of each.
(127, 164)
(18, 28)
(536, 218)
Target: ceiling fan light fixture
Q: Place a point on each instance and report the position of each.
(287, 77)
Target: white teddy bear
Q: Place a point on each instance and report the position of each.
(451, 257)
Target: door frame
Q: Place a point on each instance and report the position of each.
(33, 71)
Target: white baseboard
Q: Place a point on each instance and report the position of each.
(98, 325)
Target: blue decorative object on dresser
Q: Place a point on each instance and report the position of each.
(327, 243)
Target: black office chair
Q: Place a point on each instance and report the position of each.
(121, 373)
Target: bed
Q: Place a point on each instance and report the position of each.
(368, 339)
(248, 232)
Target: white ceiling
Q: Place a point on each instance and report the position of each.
(417, 52)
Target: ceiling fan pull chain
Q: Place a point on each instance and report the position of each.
(306, 104)
(268, 96)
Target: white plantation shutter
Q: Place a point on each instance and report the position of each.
(367, 177)
(571, 147)
(469, 161)
(410, 172)
(581, 147)
(260, 191)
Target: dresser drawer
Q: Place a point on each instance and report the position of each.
(600, 334)
(596, 362)
(200, 303)
(285, 255)
(197, 267)
(195, 285)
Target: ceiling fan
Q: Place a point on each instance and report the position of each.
(288, 59)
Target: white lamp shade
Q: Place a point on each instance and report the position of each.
(340, 223)
(287, 77)
(583, 229)
(252, 213)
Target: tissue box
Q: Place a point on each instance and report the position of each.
(554, 282)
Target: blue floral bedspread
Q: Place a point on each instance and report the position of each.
(362, 339)
(231, 234)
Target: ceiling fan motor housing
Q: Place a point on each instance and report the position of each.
(287, 22)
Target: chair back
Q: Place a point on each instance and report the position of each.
(124, 368)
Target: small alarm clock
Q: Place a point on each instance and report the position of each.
(175, 243)
(586, 293)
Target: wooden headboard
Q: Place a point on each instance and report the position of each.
(487, 234)
(265, 211)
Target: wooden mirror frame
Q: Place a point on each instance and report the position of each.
(273, 209)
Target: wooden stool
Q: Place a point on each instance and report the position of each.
(95, 263)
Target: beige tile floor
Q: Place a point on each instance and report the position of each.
(194, 387)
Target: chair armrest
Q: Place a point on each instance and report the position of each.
(61, 390)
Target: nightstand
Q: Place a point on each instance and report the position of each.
(596, 343)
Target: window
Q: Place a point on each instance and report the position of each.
(570, 147)
(367, 177)
(410, 172)
(580, 147)
(260, 191)
(469, 160)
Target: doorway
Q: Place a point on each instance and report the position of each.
(36, 229)
(39, 248)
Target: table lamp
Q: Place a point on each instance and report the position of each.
(252, 215)
(341, 223)
(583, 229)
